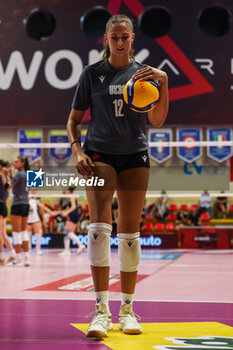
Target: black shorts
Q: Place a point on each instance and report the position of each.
(121, 161)
(74, 218)
(20, 210)
(3, 210)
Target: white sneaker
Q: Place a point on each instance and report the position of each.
(27, 261)
(81, 249)
(101, 323)
(127, 320)
(65, 253)
(18, 263)
(39, 252)
(11, 261)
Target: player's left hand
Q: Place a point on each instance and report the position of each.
(148, 73)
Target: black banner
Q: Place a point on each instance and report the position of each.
(38, 78)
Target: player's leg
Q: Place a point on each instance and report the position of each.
(70, 229)
(30, 230)
(37, 229)
(2, 260)
(7, 242)
(25, 238)
(16, 223)
(100, 203)
(131, 191)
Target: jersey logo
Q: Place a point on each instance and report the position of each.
(101, 78)
(144, 158)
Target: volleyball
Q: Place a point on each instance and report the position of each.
(141, 95)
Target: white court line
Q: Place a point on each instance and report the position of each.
(144, 300)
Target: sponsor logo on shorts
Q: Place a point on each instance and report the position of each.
(144, 158)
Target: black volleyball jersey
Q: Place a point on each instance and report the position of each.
(3, 191)
(114, 128)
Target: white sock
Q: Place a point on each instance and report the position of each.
(26, 254)
(30, 239)
(126, 299)
(38, 239)
(73, 237)
(102, 297)
(12, 253)
(18, 257)
(66, 243)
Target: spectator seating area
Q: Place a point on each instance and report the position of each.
(171, 224)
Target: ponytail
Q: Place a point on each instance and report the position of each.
(25, 162)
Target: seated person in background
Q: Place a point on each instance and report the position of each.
(144, 210)
(194, 218)
(164, 196)
(160, 210)
(85, 223)
(182, 218)
(205, 203)
(114, 210)
(220, 206)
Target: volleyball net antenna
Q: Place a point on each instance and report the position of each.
(159, 169)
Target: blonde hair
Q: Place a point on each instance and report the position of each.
(113, 20)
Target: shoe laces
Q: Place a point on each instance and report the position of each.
(131, 314)
(99, 317)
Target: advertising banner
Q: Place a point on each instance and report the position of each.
(189, 153)
(59, 154)
(200, 81)
(30, 136)
(219, 153)
(160, 154)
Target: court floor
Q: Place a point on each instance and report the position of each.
(184, 298)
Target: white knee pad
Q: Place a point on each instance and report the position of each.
(25, 236)
(17, 238)
(129, 251)
(99, 244)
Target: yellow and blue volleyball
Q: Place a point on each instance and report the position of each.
(141, 95)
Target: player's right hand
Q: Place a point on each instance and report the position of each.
(84, 164)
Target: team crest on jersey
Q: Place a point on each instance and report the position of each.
(101, 78)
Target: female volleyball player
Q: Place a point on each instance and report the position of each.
(20, 209)
(4, 239)
(34, 223)
(73, 216)
(115, 150)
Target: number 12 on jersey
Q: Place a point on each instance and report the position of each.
(118, 104)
